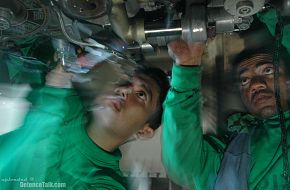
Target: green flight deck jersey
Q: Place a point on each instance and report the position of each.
(252, 160)
(52, 148)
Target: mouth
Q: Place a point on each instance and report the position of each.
(261, 97)
(115, 102)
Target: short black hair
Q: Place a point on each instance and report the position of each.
(251, 52)
(161, 79)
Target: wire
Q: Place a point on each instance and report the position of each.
(276, 60)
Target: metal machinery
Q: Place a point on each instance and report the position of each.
(134, 27)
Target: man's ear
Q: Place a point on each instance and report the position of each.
(146, 133)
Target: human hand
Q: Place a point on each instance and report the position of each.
(59, 78)
(186, 54)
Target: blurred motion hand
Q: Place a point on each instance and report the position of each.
(104, 77)
(59, 78)
(186, 54)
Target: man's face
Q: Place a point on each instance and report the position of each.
(129, 109)
(256, 76)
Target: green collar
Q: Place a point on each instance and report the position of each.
(240, 122)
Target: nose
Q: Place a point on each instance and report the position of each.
(257, 83)
(123, 91)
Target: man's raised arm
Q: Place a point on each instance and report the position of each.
(189, 160)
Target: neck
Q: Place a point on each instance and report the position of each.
(103, 136)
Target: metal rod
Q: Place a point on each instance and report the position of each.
(154, 29)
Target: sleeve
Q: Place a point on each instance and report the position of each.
(52, 100)
(52, 109)
(189, 158)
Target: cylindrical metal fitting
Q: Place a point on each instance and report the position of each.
(194, 24)
(223, 21)
(244, 8)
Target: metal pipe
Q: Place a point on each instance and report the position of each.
(153, 29)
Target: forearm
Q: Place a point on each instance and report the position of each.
(185, 153)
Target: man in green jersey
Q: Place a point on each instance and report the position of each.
(253, 158)
(59, 146)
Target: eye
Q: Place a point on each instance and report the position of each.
(268, 71)
(142, 95)
(244, 81)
